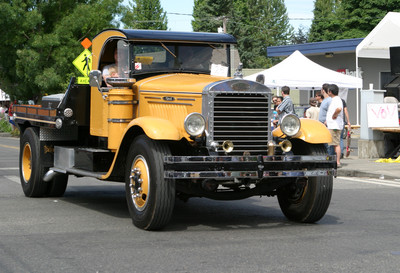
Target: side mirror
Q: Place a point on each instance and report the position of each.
(238, 74)
(95, 78)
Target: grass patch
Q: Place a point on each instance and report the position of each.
(5, 127)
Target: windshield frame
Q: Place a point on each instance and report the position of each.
(155, 57)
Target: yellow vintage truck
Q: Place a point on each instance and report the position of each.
(169, 121)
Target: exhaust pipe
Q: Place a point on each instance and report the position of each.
(49, 175)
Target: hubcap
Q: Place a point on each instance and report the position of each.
(139, 182)
(27, 162)
(298, 191)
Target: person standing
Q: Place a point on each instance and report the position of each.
(2, 110)
(324, 104)
(286, 106)
(323, 109)
(319, 97)
(346, 121)
(313, 111)
(11, 116)
(334, 119)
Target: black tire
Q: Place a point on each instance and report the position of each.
(57, 186)
(150, 201)
(307, 201)
(31, 170)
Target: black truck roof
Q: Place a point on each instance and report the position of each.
(175, 36)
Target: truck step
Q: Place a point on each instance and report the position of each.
(82, 158)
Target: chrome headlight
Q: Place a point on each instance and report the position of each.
(194, 124)
(59, 123)
(290, 125)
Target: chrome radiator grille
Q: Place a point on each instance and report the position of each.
(242, 118)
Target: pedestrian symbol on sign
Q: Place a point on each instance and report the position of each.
(84, 62)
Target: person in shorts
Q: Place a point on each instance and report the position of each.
(334, 119)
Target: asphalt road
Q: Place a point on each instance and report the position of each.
(89, 230)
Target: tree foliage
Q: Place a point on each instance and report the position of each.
(209, 15)
(144, 14)
(326, 23)
(345, 19)
(360, 17)
(300, 36)
(41, 40)
(256, 24)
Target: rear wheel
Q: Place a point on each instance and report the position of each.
(150, 197)
(308, 199)
(31, 168)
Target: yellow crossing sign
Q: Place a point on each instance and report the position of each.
(83, 80)
(84, 62)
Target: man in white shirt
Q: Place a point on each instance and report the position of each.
(334, 119)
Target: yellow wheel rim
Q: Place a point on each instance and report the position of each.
(140, 183)
(27, 162)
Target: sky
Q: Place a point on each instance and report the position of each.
(179, 12)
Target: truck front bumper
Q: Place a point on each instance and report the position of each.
(250, 167)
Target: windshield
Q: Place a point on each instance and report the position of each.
(172, 57)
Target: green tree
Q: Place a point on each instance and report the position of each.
(300, 36)
(345, 19)
(256, 24)
(209, 14)
(41, 40)
(360, 17)
(144, 14)
(327, 20)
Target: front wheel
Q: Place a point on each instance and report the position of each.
(308, 199)
(150, 197)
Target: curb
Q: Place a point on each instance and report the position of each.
(5, 134)
(355, 173)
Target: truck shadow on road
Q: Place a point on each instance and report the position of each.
(197, 213)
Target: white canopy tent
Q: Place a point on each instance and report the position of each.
(384, 35)
(4, 96)
(297, 71)
(377, 43)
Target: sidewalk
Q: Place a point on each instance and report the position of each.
(355, 167)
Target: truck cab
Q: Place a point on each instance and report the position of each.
(163, 114)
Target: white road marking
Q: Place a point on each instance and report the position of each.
(381, 182)
(13, 178)
(10, 168)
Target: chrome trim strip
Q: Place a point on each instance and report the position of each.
(186, 99)
(240, 159)
(171, 92)
(115, 120)
(171, 103)
(123, 102)
(223, 175)
(37, 120)
(154, 98)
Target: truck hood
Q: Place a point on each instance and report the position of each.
(178, 82)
